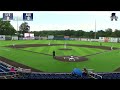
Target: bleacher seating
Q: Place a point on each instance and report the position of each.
(23, 75)
(2, 77)
(3, 65)
(5, 74)
(3, 68)
(50, 76)
(110, 75)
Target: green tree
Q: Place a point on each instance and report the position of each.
(67, 32)
(86, 35)
(91, 34)
(100, 33)
(108, 32)
(117, 33)
(24, 28)
(6, 28)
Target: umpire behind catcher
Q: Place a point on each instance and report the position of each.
(53, 54)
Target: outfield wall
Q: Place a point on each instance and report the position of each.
(2, 37)
(66, 37)
(88, 39)
(109, 39)
(14, 37)
(50, 37)
(8, 37)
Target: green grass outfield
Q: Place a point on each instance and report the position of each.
(76, 51)
(105, 62)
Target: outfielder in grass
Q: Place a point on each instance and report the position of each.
(111, 47)
(100, 44)
(49, 43)
(13, 45)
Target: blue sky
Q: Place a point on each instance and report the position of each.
(62, 20)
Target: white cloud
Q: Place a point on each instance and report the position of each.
(83, 26)
(62, 27)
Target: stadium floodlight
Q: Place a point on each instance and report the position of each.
(95, 28)
(17, 18)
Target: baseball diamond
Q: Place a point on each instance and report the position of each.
(59, 45)
(38, 55)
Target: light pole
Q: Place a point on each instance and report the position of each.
(95, 28)
(17, 23)
(113, 16)
(18, 19)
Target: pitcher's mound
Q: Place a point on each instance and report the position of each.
(69, 59)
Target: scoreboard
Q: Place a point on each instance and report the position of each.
(7, 16)
(25, 17)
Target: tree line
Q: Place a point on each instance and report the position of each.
(79, 33)
(7, 29)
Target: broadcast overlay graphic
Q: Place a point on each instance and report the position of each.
(10, 16)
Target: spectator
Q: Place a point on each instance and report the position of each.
(12, 69)
(77, 72)
(85, 72)
(8, 68)
(100, 44)
(20, 69)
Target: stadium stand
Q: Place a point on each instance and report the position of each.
(3, 68)
(23, 75)
(5, 74)
(68, 76)
(112, 75)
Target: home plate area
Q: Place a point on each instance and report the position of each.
(71, 58)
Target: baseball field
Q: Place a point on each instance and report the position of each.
(37, 54)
